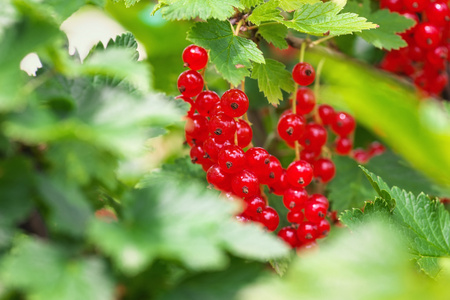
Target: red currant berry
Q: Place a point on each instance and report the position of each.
(438, 13)
(270, 218)
(415, 5)
(303, 73)
(310, 155)
(295, 215)
(257, 158)
(206, 164)
(272, 173)
(218, 178)
(280, 186)
(234, 103)
(361, 156)
(222, 127)
(326, 114)
(319, 198)
(244, 133)
(343, 124)
(196, 127)
(231, 159)
(289, 235)
(197, 155)
(315, 137)
(392, 5)
(245, 184)
(415, 53)
(295, 198)
(439, 83)
(376, 148)
(437, 57)
(427, 36)
(254, 206)
(299, 173)
(195, 57)
(307, 232)
(343, 145)
(205, 102)
(305, 100)
(212, 147)
(324, 169)
(323, 227)
(315, 211)
(291, 127)
(190, 83)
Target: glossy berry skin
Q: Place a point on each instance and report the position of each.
(310, 155)
(343, 145)
(315, 137)
(231, 159)
(218, 178)
(361, 156)
(234, 103)
(190, 83)
(326, 114)
(291, 127)
(319, 198)
(438, 13)
(197, 155)
(315, 211)
(195, 57)
(305, 100)
(205, 102)
(257, 158)
(244, 133)
(343, 124)
(303, 73)
(415, 5)
(272, 173)
(307, 232)
(280, 186)
(295, 198)
(212, 147)
(323, 227)
(196, 127)
(245, 184)
(222, 127)
(376, 148)
(270, 218)
(324, 169)
(392, 5)
(437, 57)
(289, 235)
(295, 215)
(299, 173)
(254, 205)
(427, 36)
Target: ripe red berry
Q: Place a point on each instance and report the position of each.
(254, 206)
(289, 235)
(205, 102)
(245, 184)
(319, 198)
(270, 218)
(310, 155)
(392, 5)
(427, 35)
(218, 178)
(315, 211)
(295, 215)
(231, 159)
(295, 198)
(197, 155)
(376, 148)
(190, 83)
(291, 127)
(324, 169)
(257, 158)
(234, 103)
(244, 133)
(323, 227)
(196, 127)
(212, 147)
(361, 156)
(222, 127)
(303, 73)
(415, 5)
(326, 114)
(438, 13)
(280, 186)
(343, 124)
(299, 173)
(315, 137)
(195, 57)
(272, 173)
(307, 232)
(343, 145)
(305, 100)
(437, 57)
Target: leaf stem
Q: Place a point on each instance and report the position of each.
(302, 51)
(318, 41)
(238, 27)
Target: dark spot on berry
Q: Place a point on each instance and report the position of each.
(301, 180)
(267, 161)
(308, 236)
(218, 131)
(245, 190)
(182, 88)
(229, 164)
(271, 190)
(307, 142)
(292, 204)
(447, 18)
(308, 72)
(429, 41)
(234, 105)
(206, 155)
(259, 210)
(325, 232)
(272, 175)
(290, 130)
(194, 159)
(320, 214)
(186, 65)
(415, 5)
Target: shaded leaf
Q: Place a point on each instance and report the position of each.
(203, 9)
(275, 34)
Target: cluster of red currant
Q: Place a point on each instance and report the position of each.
(218, 131)
(426, 56)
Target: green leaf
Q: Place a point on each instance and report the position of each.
(16, 189)
(203, 9)
(323, 18)
(290, 5)
(378, 210)
(272, 77)
(231, 54)
(129, 3)
(251, 3)
(267, 12)
(126, 40)
(47, 272)
(156, 226)
(275, 34)
(390, 24)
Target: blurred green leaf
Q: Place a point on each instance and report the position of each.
(290, 5)
(191, 9)
(46, 272)
(272, 77)
(390, 24)
(323, 18)
(232, 55)
(126, 40)
(251, 3)
(169, 221)
(275, 34)
(266, 12)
